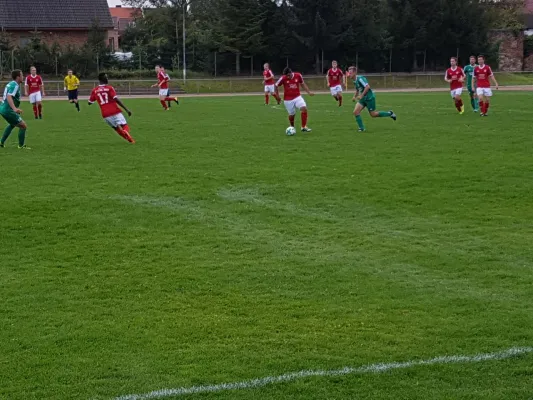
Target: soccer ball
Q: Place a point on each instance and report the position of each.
(290, 131)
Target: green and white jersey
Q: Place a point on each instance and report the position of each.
(469, 72)
(360, 84)
(12, 89)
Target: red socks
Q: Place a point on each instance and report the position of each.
(304, 119)
(276, 96)
(291, 120)
(484, 107)
(40, 108)
(163, 104)
(340, 100)
(267, 99)
(35, 110)
(124, 131)
(458, 104)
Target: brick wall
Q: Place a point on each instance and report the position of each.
(511, 49)
(64, 38)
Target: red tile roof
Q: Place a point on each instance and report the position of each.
(124, 12)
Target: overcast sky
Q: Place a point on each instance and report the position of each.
(113, 3)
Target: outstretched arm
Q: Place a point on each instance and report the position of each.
(306, 88)
(121, 104)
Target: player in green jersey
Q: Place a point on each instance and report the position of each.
(469, 72)
(365, 99)
(10, 110)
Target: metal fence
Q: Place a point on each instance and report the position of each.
(249, 85)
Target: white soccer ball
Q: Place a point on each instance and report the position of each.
(290, 131)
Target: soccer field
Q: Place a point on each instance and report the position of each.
(218, 250)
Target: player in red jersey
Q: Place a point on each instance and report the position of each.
(270, 85)
(335, 78)
(162, 83)
(107, 99)
(291, 82)
(455, 76)
(34, 88)
(482, 74)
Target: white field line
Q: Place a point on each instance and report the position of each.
(513, 88)
(293, 376)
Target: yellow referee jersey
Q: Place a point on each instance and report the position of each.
(72, 82)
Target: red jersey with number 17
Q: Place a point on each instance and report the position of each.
(34, 83)
(291, 86)
(482, 74)
(105, 96)
(454, 75)
(334, 77)
(268, 75)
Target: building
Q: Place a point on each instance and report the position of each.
(62, 21)
(123, 17)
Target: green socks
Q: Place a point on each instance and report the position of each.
(22, 137)
(359, 122)
(6, 134)
(383, 114)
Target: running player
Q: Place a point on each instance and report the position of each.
(72, 84)
(270, 85)
(365, 99)
(455, 77)
(292, 98)
(469, 72)
(107, 99)
(334, 78)
(482, 75)
(10, 111)
(34, 88)
(162, 83)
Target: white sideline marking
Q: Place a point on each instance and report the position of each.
(293, 376)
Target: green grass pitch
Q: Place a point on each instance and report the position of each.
(217, 249)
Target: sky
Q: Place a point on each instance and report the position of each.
(113, 3)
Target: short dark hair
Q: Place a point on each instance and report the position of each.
(453, 58)
(482, 56)
(287, 71)
(472, 56)
(102, 77)
(352, 68)
(16, 73)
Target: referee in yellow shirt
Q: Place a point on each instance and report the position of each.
(72, 83)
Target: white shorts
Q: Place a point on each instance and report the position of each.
(163, 92)
(456, 92)
(116, 120)
(270, 89)
(292, 105)
(35, 97)
(481, 91)
(335, 90)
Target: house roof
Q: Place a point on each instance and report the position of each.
(124, 12)
(54, 14)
